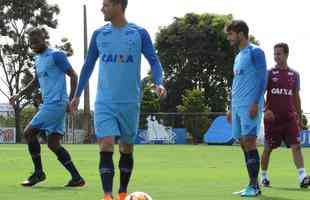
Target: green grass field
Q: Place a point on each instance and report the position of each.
(166, 172)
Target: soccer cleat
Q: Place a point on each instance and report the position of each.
(250, 192)
(122, 196)
(34, 179)
(265, 183)
(79, 182)
(239, 192)
(305, 182)
(107, 197)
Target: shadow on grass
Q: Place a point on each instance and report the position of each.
(291, 189)
(264, 197)
(54, 188)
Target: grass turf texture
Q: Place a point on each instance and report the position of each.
(166, 172)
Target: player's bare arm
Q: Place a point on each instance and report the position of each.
(269, 115)
(297, 105)
(160, 91)
(74, 103)
(73, 83)
(254, 110)
(228, 116)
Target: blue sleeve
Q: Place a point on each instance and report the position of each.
(61, 61)
(89, 64)
(149, 53)
(261, 67)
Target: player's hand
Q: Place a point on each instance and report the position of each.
(300, 123)
(269, 116)
(13, 100)
(74, 104)
(160, 91)
(68, 108)
(254, 110)
(228, 116)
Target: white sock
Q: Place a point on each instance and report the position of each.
(264, 175)
(301, 174)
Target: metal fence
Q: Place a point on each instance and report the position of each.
(196, 125)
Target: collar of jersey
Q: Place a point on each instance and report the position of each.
(45, 52)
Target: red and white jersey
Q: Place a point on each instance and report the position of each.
(280, 92)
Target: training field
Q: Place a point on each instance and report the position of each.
(183, 172)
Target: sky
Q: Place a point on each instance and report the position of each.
(269, 21)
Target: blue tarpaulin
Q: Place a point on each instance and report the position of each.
(305, 138)
(220, 132)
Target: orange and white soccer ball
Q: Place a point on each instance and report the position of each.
(138, 196)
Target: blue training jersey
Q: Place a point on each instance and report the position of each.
(51, 66)
(119, 50)
(250, 73)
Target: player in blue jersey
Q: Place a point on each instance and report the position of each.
(247, 99)
(51, 68)
(119, 46)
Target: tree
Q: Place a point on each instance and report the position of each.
(26, 114)
(66, 46)
(195, 54)
(193, 101)
(16, 17)
(150, 101)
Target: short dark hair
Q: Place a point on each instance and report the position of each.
(238, 26)
(284, 46)
(40, 32)
(123, 3)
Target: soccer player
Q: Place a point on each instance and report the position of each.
(51, 68)
(247, 99)
(118, 45)
(283, 114)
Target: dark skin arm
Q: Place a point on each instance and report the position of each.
(253, 110)
(268, 115)
(73, 82)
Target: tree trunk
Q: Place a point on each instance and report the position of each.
(86, 116)
(19, 131)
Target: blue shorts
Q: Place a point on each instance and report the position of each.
(50, 118)
(242, 124)
(117, 119)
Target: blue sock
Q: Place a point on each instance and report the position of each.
(253, 167)
(34, 149)
(125, 167)
(106, 169)
(65, 159)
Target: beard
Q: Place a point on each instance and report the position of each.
(107, 18)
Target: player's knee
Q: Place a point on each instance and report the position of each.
(296, 147)
(267, 151)
(106, 147)
(249, 143)
(126, 148)
(106, 144)
(29, 136)
(53, 146)
(53, 142)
